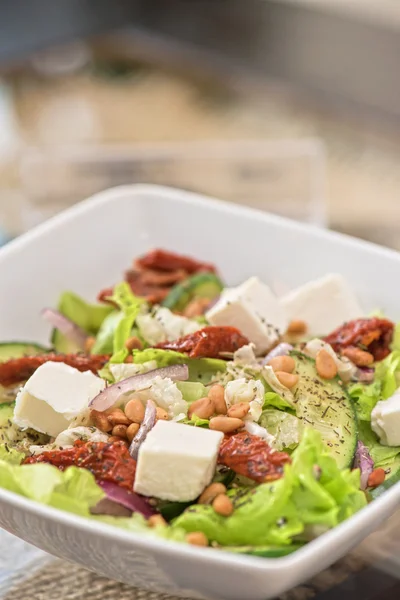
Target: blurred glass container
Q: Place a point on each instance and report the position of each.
(286, 177)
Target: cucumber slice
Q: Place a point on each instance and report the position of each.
(10, 350)
(325, 406)
(202, 285)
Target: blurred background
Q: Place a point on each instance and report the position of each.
(291, 106)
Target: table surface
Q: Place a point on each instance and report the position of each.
(26, 572)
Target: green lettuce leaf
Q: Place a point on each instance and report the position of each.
(104, 343)
(86, 315)
(365, 398)
(388, 373)
(191, 390)
(313, 491)
(130, 306)
(323, 495)
(254, 521)
(382, 456)
(74, 490)
(196, 422)
(200, 369)
(274, 400)
(386, 382)
(10, 455)
(286, 428)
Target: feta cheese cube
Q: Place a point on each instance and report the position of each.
(385, 420)
(176, 462)
(323, 304)
(254, 310)
(54, 395)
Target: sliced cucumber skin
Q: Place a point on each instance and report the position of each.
(201, 285)
(326, 406)
(9, 350)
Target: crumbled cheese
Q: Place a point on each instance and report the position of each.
(165, 393)
(242, 390)
(162, 325)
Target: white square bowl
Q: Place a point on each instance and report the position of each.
(87, 248)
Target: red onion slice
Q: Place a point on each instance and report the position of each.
(364, 375)
(282, 349)
(110, 395)
(71, 330)
(148, 423)
(118, 498)
(364, 462)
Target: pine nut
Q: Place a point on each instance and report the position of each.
(197, 538)
(282, 363)
(225, 424)
(223, 505)
(89, 343)
(377, 477)
(156, 521)
(116, 438)
(297, 327)
(325, 365)
(120, 431)
(132, 431)
(217, 395)
(100, 420)
(211, 492)
(359, 357)
(161, 414)
(239, 410)
(203, 408)
(196, 307)
(134, 410)
(289, 380)
(118, 417)
(133, 343)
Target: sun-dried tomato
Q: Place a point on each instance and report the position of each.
(373, 335)
(252, 457)
(107, 462)
(209, 342)
(155, 273)
(164, 260)
(17, 370)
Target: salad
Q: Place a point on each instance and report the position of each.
(180, 408)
